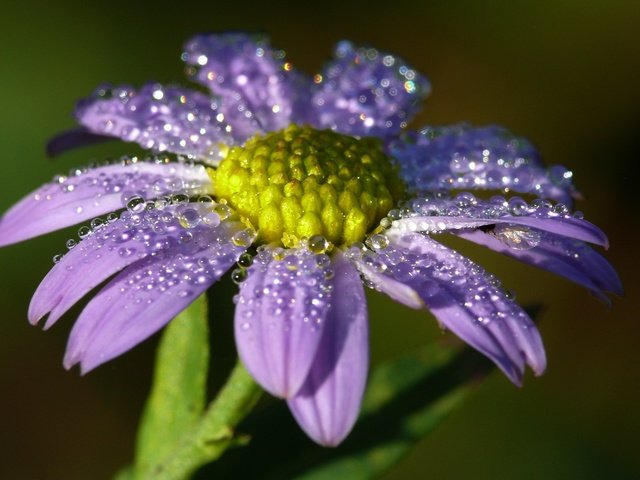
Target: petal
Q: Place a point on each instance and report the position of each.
(249, 76)
(328, 403)
(565, 257)
(110, 248)
(71, 139)
(368, 92)
(432, 214)
(89, 193)
(466, 300)
(162, 118)
(463, 157)
(372, 270)
(144, 297)
(280, 316)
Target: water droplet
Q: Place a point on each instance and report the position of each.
(189, 218)
(239, 275)
(97, 224)
(517, 206)
(378, 241)
(222, 210)
(517, 237)
(245, 260)
(318, 244)
(84, 232)
(244, 238)
(136, 204)
(179, 199)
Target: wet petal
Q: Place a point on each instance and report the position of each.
(162, 118)
(565, 257)
(372, 270)
(463, 157)
(432, 214)
(250, 77)
(467, 301)
(144, 297)
(280, 316)
(365, 91)
(110, 248)
(328, 403)
(90, 193)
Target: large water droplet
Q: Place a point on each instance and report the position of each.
(517, 237)
(136, 204)
(318, 244)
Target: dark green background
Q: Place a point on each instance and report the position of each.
(564, 73)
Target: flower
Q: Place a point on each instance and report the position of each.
(310, 187)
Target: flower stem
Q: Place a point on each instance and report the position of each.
(214, 433)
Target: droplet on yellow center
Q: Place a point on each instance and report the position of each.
(301, 182)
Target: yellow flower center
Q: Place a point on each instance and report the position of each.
(300, 182)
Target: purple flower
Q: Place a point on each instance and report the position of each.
(309, 187)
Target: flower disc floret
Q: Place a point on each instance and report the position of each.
(301, 182)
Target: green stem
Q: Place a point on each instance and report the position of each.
(214, 433)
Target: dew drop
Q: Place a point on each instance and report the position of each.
(189, 218)
(517, 237)
(244, 238)
(179, 199)
(245, 260)
(136, 204)
(378, 241)
(97, 224)
(239, 275)
(223, 211)
(84, 232)
(318, 244)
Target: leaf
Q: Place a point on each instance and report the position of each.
(178, 394)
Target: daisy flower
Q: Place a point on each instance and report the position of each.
(307, 189)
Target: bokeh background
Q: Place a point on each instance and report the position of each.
(565, 73)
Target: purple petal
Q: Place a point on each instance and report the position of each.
(432, 214)
(372, 270)
(251, 78)
(144, 297)
(162, 118)
(466, 300)
(463, 157)
(280, 316)
(112, 247)
(565, 257)
(89, 193)
(328, 403)
(71, 139)
(368, 92)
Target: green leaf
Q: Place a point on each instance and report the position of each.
(178, 394)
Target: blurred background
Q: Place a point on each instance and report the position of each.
(564, 73)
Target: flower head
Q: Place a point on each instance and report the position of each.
(306, 189)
